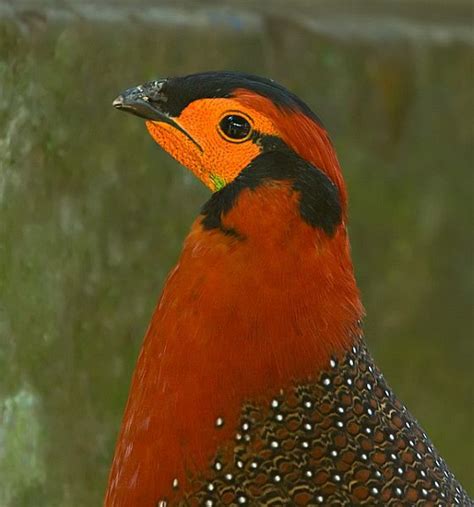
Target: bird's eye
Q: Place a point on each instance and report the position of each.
(235, 127)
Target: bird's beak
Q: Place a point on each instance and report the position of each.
(144, 101)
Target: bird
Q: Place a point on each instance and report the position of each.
(254, 385)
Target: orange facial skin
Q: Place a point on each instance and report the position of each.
(239, 319)
(219, 157)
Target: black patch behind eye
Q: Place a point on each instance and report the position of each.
(319, 202)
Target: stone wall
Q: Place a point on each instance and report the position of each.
(93, 214)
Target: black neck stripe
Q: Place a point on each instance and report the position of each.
(319, 201)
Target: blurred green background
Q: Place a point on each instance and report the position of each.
(93, 213)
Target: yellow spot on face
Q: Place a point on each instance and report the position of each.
(217, 181)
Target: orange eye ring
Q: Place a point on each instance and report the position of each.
(235, 127)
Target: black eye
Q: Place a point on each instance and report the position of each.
(235, 127)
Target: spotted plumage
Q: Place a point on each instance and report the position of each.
(343, 440)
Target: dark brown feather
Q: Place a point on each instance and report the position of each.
(344, 440)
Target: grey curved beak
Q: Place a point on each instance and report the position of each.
(144, 101)
(136, 101)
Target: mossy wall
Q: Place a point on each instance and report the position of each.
(93, 213)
